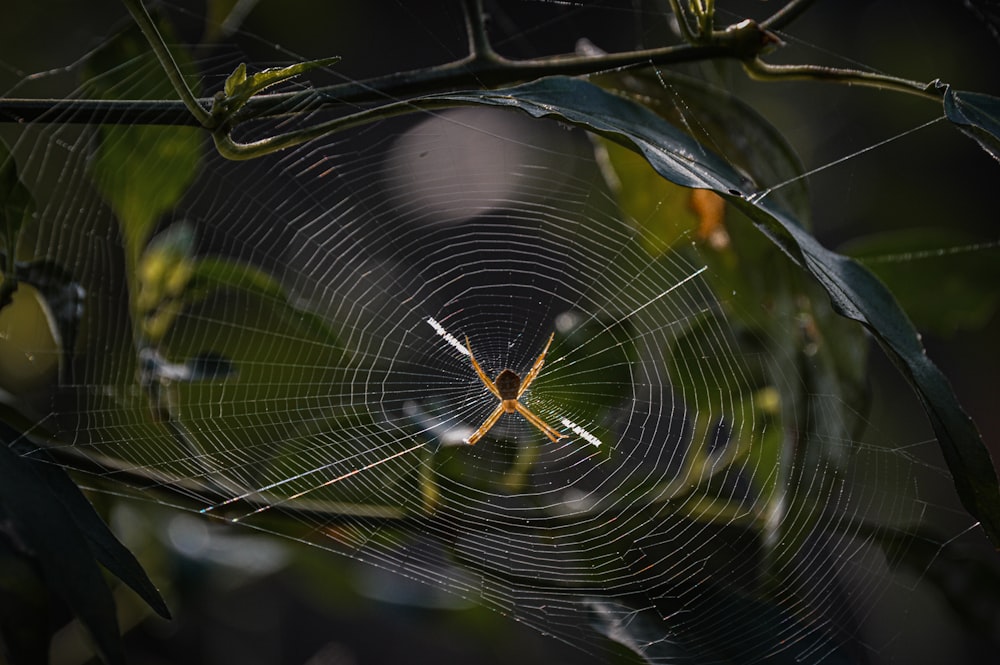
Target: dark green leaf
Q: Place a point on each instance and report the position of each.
(854, 292)
(106, 548)
(715, 117)
(141, 171)
(658, 207)
(24, 601)
(704, 365)
(977, 116)
(945, 281)
(63, 554)
(212, 272)
(594, 357)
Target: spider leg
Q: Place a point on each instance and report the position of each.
(486, 426)
(533, 372)
(538, 422)
(482, 375)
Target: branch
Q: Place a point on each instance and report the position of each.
(760, 70)
(785, 15)
(166, 58)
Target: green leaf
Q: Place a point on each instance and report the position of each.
(24, 609)
(106, 548)
(142, 171)
(726, 124)
(236, 80)
(944, 280)
(593, 355)
(977, 116)
(239, 87)
(854, 292)
(212, 272)
(63, 554)
(658, 207)
(706, 363)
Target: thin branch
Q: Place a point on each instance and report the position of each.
(760, 70)
(785, 15)
(235, 150)
(166, 58)
(475, 27)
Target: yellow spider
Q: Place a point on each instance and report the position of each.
(508, 388)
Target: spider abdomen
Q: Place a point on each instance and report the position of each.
(507, 383)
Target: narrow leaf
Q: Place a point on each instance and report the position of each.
(274, 75)
(106, 548)
(219, 273)
(977, 116)
(63, 554)
(141, 171)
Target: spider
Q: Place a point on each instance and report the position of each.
(508, 388)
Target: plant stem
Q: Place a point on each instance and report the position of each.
(475, 27)
(785, 15)
(682, 23)
(167, 62)
(760, 70)
(235, 150)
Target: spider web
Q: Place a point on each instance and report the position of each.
(335, 412)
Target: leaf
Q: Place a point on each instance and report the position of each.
(658, 207)
(706, 363)
(63, 554)
(212, 272)
(142, 171)
(944, 280)
(977, 116)
(239, 87)
(24, 608)
(854, 292)
(722, 121)
(594, 358)
(106, 548)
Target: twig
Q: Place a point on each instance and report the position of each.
(785, 15)
(760, 70)
(166, 58)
